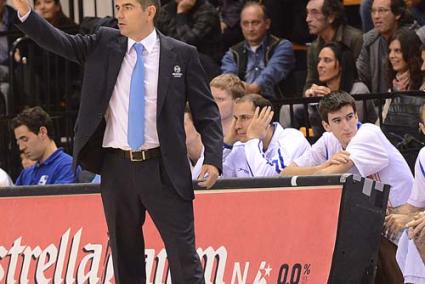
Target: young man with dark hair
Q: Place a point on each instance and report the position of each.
(362, 149)
(255, 147)
(349, 146)
(33, 132)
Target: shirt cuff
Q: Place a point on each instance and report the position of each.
(24, 17)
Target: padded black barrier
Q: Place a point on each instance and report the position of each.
(361, 215)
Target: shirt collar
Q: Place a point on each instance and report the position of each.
(148, 42)
(51, 158)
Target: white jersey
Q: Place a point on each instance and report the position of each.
(196, 169)
(249, 160)
(5, 180)
(373, 156)
(410, 261)
(417, 197)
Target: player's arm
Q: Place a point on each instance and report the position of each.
(294, 170)
(336, 168)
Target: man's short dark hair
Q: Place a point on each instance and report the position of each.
(334, 102)
(34, 118)
(156, 3)
(336, 9)
(257, 100)
(259, 4)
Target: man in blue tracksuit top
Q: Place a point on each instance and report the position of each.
(33, 130)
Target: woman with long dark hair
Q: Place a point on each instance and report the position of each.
(337, 72)
(404, 74)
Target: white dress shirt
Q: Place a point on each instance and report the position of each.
(117, 113)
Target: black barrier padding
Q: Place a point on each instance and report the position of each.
(360, 224)
(231, 183)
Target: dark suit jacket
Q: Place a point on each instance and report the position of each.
(102, 54)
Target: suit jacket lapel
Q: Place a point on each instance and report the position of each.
(166, 65)
(117, 50)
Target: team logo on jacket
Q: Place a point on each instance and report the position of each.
(177, 71)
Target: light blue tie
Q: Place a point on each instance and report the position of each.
(136, 106)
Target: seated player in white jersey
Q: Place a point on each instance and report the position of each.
(256, 147)
(350, 147)
(399, 217)
(411, 247)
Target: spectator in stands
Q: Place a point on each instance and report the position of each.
(50, 79)
(195, 148)
(337, 72)
(399, 217)
(33, 132)
(326, 19)
(362, 149)
(8, 17)
(411, 249)
(255, 147)
(365, 16)
(195, 22)
(387, 16)
(262, 60)
(5, 180)
(288, 19)
(226, 89)
(404, 64)
(230, 16)
(51, 10)
(422, 88)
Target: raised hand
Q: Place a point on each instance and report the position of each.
(22, 6)
(231, 136)
(260, 123)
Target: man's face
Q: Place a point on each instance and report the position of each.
(395, 55)
(224, 101)
(30, 144)
(133, 20)
(328, 66)
(343, 124)
(244, 112)
(47, 8)
(384, 20)
(254, 25)
(316, 21)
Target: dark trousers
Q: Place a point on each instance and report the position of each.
(128, 190)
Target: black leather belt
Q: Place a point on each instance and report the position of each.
(137, 156)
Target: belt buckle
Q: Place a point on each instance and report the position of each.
(136, 158)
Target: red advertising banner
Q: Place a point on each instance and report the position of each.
(267, 235)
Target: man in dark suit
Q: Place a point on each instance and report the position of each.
(155, 176)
